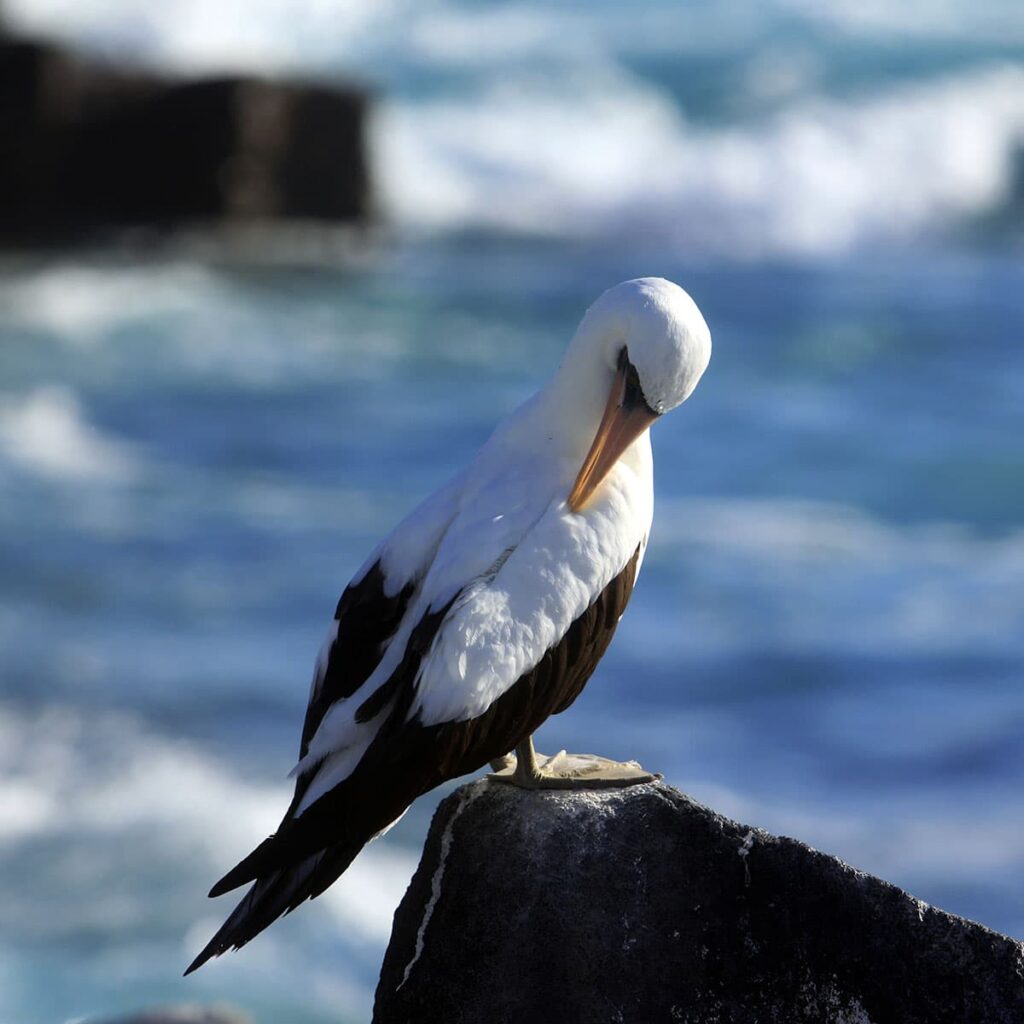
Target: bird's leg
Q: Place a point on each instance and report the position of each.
(566, 771)
(527, 774)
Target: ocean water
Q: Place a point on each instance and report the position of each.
(828, 634)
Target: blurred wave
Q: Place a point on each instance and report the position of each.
(45, 432)
(820, 576)
(111, 828)
(76, 786)
(618, 160)
(190, 34)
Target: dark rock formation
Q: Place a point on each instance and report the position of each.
(87, 148)
(641, 906)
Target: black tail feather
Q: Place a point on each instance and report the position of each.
(273, 895)
(297, 837)
(246, 870)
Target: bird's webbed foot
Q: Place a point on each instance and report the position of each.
(566, 771)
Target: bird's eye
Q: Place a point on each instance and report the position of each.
(633, 395)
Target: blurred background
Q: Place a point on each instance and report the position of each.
(200, 440)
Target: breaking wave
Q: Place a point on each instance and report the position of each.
(609, 157)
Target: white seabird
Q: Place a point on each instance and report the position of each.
(487, 609)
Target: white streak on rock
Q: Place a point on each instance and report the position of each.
(466, 797)
(744, 851)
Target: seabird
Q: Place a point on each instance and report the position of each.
(487, 609)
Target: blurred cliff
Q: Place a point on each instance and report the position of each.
(88, 150)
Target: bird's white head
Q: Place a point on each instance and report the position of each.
(642, 347)
(661, 331)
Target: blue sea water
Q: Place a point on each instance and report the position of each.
(828, 634)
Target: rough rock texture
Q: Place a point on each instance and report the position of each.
(640, 905)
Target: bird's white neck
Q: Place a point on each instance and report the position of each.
(561, 418)
(558, 424)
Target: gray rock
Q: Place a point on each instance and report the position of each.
(640, 905)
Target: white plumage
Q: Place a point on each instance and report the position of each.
(463, 608)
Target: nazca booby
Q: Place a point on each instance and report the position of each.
(487, 609)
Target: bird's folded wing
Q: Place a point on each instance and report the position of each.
(503, 623)
(373, 605)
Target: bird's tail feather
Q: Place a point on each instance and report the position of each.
(249, 869)
(277, 893)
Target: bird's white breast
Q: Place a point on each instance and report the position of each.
(533, 579)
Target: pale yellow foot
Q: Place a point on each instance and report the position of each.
(568, 771)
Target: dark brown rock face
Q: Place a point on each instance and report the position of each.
(640, 906)
(87, 149)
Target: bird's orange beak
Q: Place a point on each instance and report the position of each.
(625, 418)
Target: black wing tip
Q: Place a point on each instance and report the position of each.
(247, 870)
(226, 884)
(194, 966)
(207, 954)
(225, 939)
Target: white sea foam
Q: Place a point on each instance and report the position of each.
(603, 155)
(96, 784)
(109, 836)
(80, 302)
(90, 775)
(178, 320)
(192, 35)
(995, 21)
(47, 432)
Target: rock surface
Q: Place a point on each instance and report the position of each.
(640, 905)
